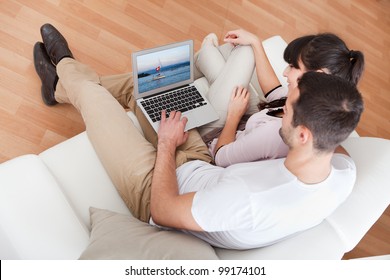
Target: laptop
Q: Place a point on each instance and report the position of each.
(163, 79)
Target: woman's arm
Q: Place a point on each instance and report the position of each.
(238, 105)
(260, 143)
(265, 73)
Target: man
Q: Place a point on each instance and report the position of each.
(243, 206)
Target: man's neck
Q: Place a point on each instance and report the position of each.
(307, 166)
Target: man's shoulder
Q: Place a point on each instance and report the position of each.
(342, 161)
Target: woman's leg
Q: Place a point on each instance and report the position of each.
(237, 70)
(253, 87)
(209, 60)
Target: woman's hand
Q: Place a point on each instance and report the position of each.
(237, 107)
(241, 37)
(238, 104)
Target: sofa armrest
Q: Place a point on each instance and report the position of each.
(82, 178)
(36, 220)
(371, 194)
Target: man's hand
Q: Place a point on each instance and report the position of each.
(171, 130)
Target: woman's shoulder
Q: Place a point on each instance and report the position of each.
(262, 118)
(276, 93)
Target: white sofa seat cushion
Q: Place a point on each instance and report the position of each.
(36, 220)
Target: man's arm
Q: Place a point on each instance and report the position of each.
(167, 206)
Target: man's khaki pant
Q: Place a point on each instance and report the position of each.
(125, 153)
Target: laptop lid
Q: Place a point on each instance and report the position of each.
(162, 68)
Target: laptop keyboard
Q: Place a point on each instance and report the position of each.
(182, 100)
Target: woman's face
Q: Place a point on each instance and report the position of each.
(292, 74)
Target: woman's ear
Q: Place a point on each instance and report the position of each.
(323, 70)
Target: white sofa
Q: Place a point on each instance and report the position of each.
(45, 205)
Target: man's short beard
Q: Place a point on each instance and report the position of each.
(285, 138)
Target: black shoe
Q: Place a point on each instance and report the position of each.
(47, 72)
(55, 44)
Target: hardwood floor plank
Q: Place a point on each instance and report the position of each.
(9, 101)
(24, 128)
(51, 118)
(13, 145)
(10, 8)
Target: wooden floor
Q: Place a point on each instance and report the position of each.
(104, 33)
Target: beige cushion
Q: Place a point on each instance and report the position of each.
(120, 236)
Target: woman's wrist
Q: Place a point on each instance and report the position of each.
(233, 118)
(256, 43)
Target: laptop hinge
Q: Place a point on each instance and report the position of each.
(168, 90)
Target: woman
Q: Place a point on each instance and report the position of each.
(259, 139)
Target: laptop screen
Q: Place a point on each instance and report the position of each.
(163, 68)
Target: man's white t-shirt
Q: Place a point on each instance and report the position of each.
(250, 205)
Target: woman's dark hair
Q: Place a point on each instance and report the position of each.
(277, 103)
(329, 106)
(326, 51)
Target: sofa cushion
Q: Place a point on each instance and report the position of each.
(121, 236)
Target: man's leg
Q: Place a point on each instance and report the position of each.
(127, 157)
(121, 87)
(124, 152)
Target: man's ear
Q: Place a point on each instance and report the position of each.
(305, 135)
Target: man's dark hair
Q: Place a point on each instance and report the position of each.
(329, 106)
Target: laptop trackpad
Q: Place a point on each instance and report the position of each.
(199, 118)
